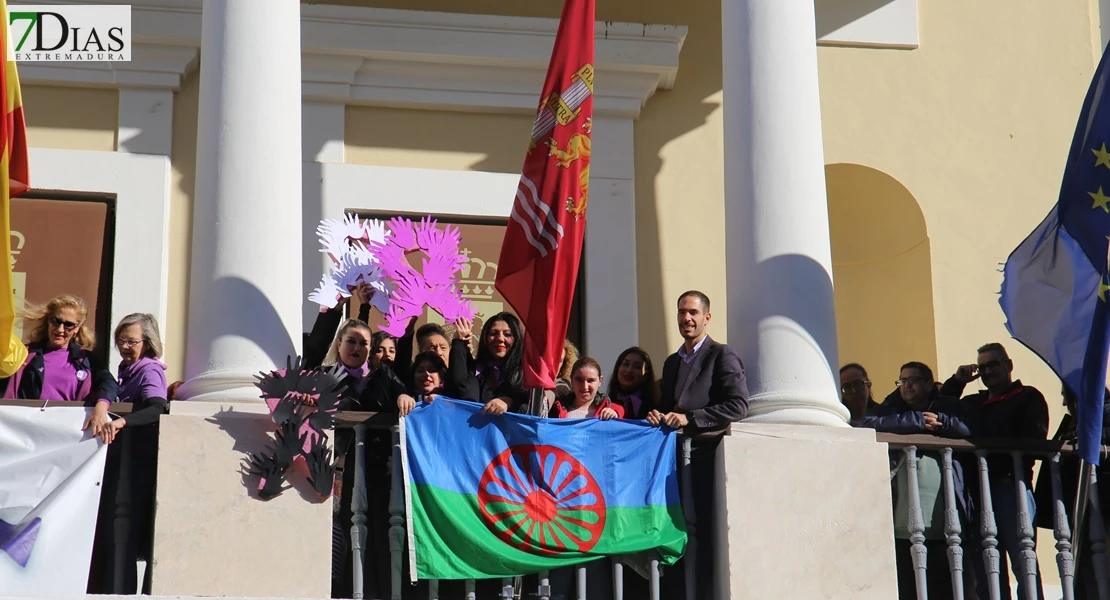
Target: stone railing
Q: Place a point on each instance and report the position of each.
(975, 454)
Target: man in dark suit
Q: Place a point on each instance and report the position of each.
(703, 383)
(703, 389)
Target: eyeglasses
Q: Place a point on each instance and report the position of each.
(67, 325)
(990, 366)
(122, 343)
(910, 380)
(855, 386)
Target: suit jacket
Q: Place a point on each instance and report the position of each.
(715, 393)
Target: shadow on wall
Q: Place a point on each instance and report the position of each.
(252, 433)
(834, 14)
(883, 271)
(261, 324)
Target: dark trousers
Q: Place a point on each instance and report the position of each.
(705, 534)
(125, 519)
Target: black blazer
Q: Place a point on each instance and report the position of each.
(716, 392)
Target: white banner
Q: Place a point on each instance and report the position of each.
(50, 479)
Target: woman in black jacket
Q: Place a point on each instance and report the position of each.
(495, 378)
(370, 389)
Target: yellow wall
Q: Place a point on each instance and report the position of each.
(881, 265)
(394, 137)
(976, 124)
(183, 156)
(71, 118)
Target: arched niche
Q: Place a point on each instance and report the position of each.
(882, 274)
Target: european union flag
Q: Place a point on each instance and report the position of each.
(1054, 289)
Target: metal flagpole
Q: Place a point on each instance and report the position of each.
(1079, 509)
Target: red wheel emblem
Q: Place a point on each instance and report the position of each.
(541, 500)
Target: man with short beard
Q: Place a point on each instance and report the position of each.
(703, 388)
(1006, 409)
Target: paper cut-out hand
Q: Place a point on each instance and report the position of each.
(321, 472)
(270, 467)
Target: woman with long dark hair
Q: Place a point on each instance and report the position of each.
(495, 377)
(633, 383)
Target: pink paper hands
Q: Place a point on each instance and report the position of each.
(434, 285)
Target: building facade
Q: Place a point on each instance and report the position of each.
(943, 129)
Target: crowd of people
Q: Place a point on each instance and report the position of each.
(702, 387)
(1005, 408)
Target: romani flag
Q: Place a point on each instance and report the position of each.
(538, 266)
(499, 496)
(14, 179)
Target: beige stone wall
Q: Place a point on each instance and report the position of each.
(71, 118)
(183, 159)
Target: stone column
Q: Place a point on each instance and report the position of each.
(213, 536)
(245, 290)
(792, 473)
(778, 259)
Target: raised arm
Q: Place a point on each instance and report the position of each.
(319, 340)
(460, 370)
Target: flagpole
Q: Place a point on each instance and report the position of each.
(1079, 509)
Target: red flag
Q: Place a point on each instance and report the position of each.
(539, 259)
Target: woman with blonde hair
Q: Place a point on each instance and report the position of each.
(60, 365)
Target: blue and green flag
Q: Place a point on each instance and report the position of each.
(497, 496)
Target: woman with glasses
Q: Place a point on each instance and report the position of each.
(132, 463)
(60, 365)
(855, 389)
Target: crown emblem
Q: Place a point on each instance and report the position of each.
(477, 278)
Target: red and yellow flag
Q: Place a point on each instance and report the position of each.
(540, 254)
(14, 180)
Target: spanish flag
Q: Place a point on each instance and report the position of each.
(14, 180)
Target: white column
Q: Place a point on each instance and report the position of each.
(779, 264)
(245, 285)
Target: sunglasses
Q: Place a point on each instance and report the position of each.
(67, 325)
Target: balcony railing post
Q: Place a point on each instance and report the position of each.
(687, 492)
(544, 592)
(952, 528)
(654, 580)
(580, 579)
(917, 525)
(1098, 539)
(359, 505)
(1061, 531)
(469, 586)
(433, 589)
(1024, 525)
(618, 580)
(396, 518)
(988, 529)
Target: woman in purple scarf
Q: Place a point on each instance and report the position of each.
(124, 530)
(60, 365)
